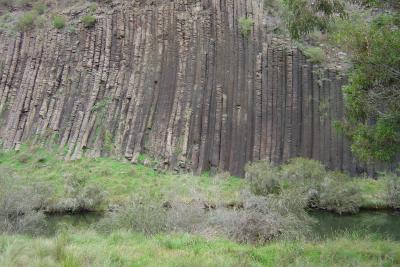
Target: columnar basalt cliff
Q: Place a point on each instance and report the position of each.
(173, 79)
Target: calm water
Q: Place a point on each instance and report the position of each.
(384, 224)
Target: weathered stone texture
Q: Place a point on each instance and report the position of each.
(174, 79)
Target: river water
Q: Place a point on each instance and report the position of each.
(381, 224)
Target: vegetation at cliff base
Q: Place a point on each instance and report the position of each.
(151, 216)
(33, 164)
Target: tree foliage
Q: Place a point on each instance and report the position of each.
(373, 93)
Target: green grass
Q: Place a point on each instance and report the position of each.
(88, 248)
(83, 246)
(120, 179)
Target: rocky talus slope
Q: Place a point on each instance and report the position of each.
(174, 79)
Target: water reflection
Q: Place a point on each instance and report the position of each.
(382, 224)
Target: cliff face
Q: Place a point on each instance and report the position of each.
(176, 80)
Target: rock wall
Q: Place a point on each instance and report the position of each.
(173, 79)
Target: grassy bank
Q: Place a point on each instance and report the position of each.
(88, 248)
(122, 179)
(118, 178)
(145, 232)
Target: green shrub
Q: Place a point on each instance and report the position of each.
(393, 190)
(315, 54)
(139, 215)
(245, 25)
(307, 182)
(58, 22)
(147, 216)
(303, 170)
(338, 195)
(20, 208)
(26, 21)
(263, 219)
(88, 21)
(372, 102)
(188, 217)
(257, 220)
(263, 178)
(79, 196)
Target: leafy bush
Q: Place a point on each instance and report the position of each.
(258, 220)
(146, 216)
(26, 21)
(79, 196)
(188, 217)
(263, 178)
(393, 190)
(140, 215)
(303, 170)
(20, 208)
(245, 25)
(372, 120)
(262, 219)
(89, 21)
(307, 182)
(58, 22)
(338, 195)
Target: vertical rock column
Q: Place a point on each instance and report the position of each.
(177, 80)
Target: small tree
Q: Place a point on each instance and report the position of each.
(372, 97)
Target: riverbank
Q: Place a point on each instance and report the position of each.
(152, 216)
(121, 179)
